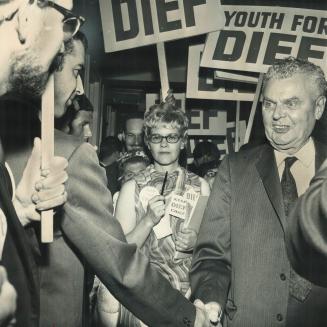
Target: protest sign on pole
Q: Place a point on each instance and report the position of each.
(253, 110)
(154, 98)
(207, 122)
(236, 76)
(237, 126)
(203, 86)
(133, 23)
(254, 37)
(47, 148)
(163, 69)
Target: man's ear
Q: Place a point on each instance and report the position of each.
(184, 139)
(320, 106)
(27, 16)
(121, 137)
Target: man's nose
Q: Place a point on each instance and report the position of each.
(279, 111)
(62, 48)
(79, 86)
(138, 139)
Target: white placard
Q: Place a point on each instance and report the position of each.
(133, 23)
(254, 37)
(203, 86)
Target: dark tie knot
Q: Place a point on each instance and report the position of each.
(289, 161)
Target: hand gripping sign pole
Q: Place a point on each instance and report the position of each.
(47, 132)
(163, 69)
(253, 109)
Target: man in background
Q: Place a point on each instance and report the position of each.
(133, 137)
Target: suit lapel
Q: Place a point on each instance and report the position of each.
(267, 169)
(321, 154)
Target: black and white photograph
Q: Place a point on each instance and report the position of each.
(163, 163)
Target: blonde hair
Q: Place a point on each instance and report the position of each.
(167, 115)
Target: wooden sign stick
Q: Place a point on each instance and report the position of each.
(163, 70)
(237, 126)
(253, 109)
(47, 135)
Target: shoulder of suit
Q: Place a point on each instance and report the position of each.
(319, 146)
(248, 154)
(65, 144)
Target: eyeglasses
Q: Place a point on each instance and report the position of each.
(170, 138)
(72, 22)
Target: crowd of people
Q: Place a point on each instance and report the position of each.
(259, 257)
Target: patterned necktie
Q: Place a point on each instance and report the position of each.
(299, 287)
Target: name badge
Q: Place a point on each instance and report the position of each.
(178, 206)
(146, 194)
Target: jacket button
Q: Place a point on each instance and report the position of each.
(279, 317)
(282, 277)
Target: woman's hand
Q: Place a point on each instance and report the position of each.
(156, 209)
(185, 240)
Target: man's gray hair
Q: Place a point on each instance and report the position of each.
(288, 67)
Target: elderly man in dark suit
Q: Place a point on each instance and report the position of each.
(240, 262)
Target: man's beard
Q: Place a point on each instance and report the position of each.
(27, 77)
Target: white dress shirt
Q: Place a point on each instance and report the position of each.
(3, 221)
(303, 169)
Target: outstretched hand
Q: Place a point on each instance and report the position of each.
(8, 298)
(202, 317)
(210, 313)
(39, 189)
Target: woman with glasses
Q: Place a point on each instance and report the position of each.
(155, 198)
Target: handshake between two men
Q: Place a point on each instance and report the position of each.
(40, 190)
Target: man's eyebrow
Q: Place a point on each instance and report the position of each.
(292, 99)
(268, 99)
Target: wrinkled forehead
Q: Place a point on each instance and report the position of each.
(298, 85)
(134, 125)
(8, 6)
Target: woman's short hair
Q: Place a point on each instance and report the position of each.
(167, 115)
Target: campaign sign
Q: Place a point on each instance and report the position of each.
(201, 83)
(154, 98)
(133, 23)
(255, 37)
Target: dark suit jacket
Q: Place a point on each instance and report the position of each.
(87, 222)
(306, 236)
(18, 259)
(240, 258)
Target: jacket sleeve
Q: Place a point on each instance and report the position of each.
(124, 270)
(210, 273)
(306, 235)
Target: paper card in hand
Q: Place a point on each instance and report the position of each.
(194, 222)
